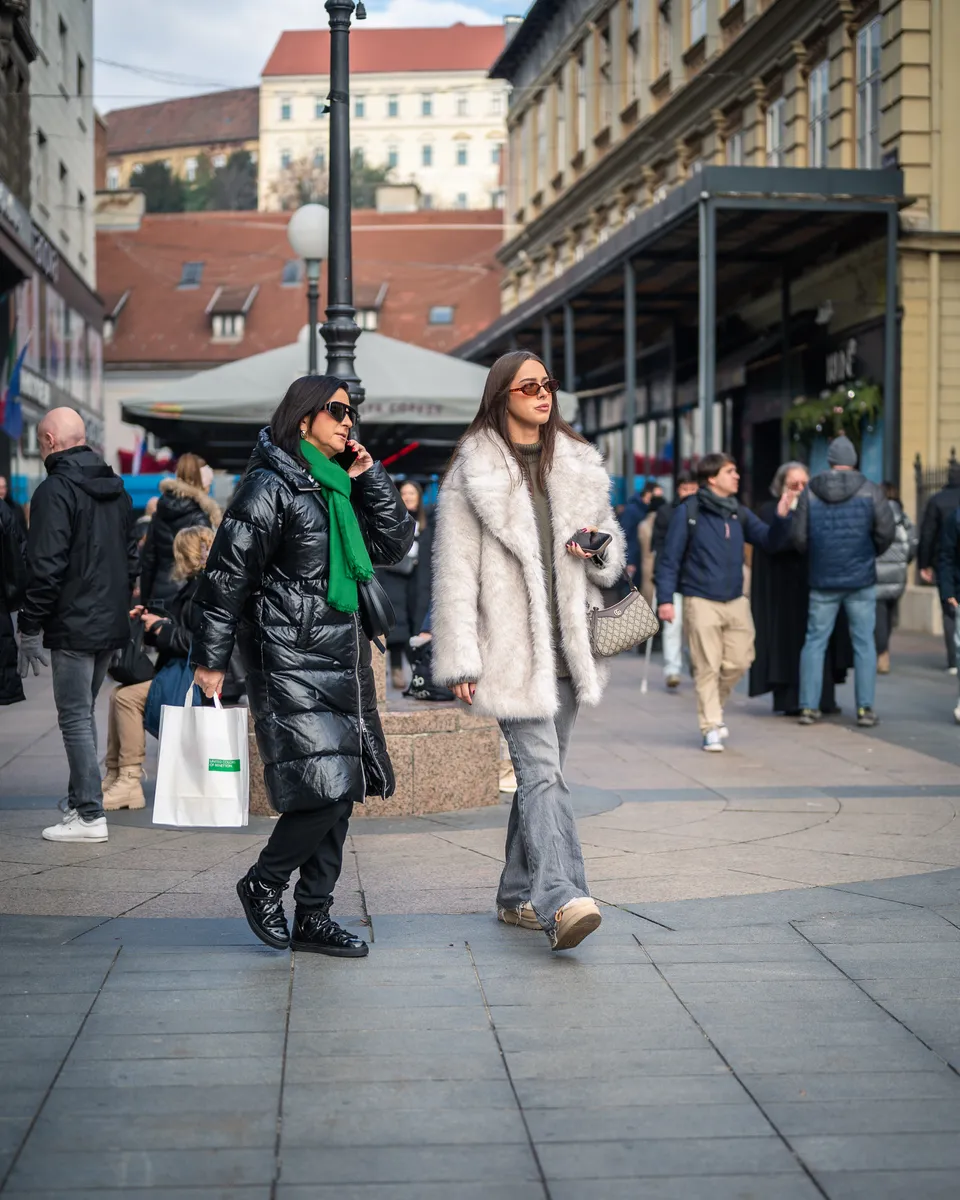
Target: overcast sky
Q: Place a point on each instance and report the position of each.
(181, 47)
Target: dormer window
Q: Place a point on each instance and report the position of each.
(369, 298)
(191, 275)
(228, 309)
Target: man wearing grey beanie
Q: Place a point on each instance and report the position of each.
(843, 522)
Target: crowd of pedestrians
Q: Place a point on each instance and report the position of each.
(281, 595)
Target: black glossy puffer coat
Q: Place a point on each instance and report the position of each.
(181, 506)
(310, 684)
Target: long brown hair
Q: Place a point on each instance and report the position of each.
(420, 512)
(188, 470)
(492, 415)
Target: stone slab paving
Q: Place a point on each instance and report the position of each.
(768, 1011)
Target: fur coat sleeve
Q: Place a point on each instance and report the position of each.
(456, 584)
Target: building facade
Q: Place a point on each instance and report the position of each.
(51, 318)
(620, 107)
(179, 133)
(422, 105)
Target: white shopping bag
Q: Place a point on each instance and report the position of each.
(203, 776)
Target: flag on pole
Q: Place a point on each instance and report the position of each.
(12, 408)
(137, 462)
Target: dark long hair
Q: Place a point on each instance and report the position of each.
(304, 399)
(492, 414)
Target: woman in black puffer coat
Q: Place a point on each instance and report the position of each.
(183, 504)
(270, 579)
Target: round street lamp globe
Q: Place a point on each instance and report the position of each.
(309, 232)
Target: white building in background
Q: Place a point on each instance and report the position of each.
(420, 104)
(57, 317)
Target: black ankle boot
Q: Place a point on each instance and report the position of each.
(315, 931)
(263, 904)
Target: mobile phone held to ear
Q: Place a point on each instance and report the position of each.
(593, 543)
(346, 458)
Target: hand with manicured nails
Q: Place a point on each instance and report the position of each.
(363, 461)
(464, 691)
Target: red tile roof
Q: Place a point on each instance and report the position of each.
(376, 51)
(425, 258)
(214, 119)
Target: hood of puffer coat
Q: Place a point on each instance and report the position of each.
(834, 487)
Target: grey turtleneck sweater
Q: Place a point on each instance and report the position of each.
(530, 457)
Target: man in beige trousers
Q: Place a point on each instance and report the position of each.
(702, 559)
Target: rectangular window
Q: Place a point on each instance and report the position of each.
(393, 106)
(734, 149)
(81, 76)
(698, 20)
(286, 109)
(319, 159)
(113, 179)
(190, 170)
(441, 314)
(426, 201)
(498, 199)
(496, 154)
(358, 158)
(319, 107)
(581, 102)
(219, 162)
(426, 155)
(636, 16)
(426, 104)
(461, 200)
(62, 37)
(191, 273)
(360, 106)
(608, 86)
(292, 272)
(496, 104)
(393, 157)
(818, 95)
(461, 148)
(461, 104)
(868, 95)
(775, 133)
(664, 38)
(562, 154)
(286, 158)
(541, 145)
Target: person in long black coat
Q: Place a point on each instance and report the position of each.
(310, 684)
(183, 504)
(401, 582)
(779, 593)
(13, 577)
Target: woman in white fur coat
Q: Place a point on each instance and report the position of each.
(511, 592)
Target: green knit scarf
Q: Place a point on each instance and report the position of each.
(349, 557)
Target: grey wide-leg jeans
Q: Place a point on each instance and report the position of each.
(77, 678)
(544, 860)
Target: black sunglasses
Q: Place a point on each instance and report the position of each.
(532, 387)
(338, 410)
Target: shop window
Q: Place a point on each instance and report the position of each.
(818, 92)
(868, 95)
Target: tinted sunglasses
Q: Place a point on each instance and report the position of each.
(532, 387)
(338, 410)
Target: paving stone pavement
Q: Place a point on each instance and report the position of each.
(768, 1010)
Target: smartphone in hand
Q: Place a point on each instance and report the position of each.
(593, 543)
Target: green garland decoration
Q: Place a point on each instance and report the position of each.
(845, 410)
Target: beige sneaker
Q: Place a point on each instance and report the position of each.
(525, 918)
(574, 921)
(127, 792)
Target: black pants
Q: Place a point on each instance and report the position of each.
(886, 620)
(312, 841)
(949, 626)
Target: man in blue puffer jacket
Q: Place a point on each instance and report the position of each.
(843, 522)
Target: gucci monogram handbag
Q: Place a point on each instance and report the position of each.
(628, 623)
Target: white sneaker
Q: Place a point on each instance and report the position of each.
(73, 828)
(956, 714)
(724, 732)
(713, 742)
(951, 670)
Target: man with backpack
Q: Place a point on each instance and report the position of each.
(702, 559)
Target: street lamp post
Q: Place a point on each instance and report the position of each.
(309, 235)
(340, 330)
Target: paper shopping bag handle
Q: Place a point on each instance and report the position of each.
(188, 699)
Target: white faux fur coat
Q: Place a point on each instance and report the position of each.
(489, 600)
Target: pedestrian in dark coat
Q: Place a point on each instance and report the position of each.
(941, 506)
(82, 564)
(401, 582)
(12, 580)
(7, 499)
(892, 568)
(282, 579)
(779, 591)
(183, 504)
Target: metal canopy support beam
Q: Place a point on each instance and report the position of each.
(891, 407)
(629, 371)
(546, 343)
(784, 349)
(569, 353)
(707, 367)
